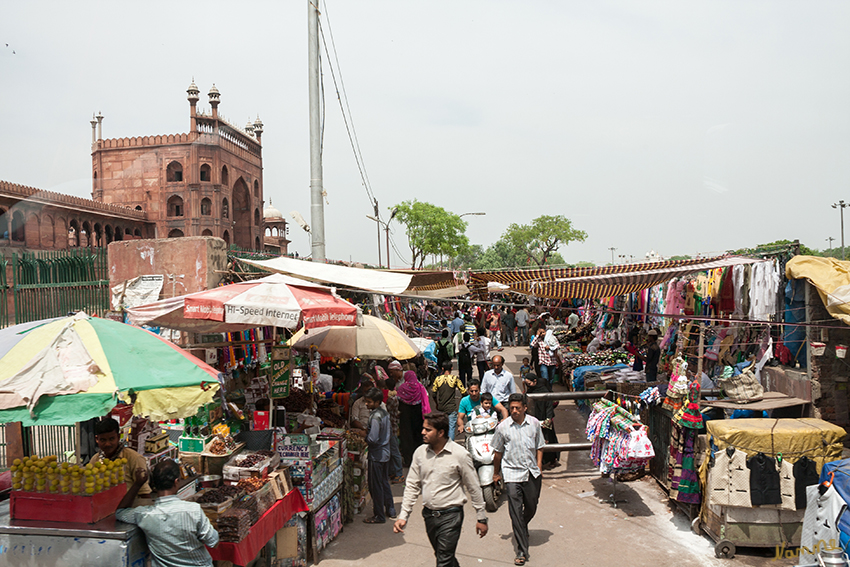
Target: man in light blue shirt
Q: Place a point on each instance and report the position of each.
(498, 381)
(176, 530)
(518, 458)
(457, 324)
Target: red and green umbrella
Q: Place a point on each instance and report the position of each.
(61, 371)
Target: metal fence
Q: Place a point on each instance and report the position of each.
(43, 440)
(3, 466)
(53, 284)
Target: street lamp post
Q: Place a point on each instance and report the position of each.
(840, 205)
(612, 249)
(378, 220)
(830, 239)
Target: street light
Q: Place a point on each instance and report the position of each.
(386, 228)
(841, 205)
(473, 214)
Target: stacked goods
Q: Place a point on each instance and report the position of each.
(214, 502)
(249, 502)
(265, 499)
(330, 417)
(46, 474)
(297, 402)
(217, 447)
(251, 484)
(234, 524)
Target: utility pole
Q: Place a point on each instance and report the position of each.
(378, 226)
(840, 205)
(317, 206)
(612, 249)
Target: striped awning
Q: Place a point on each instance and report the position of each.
(597, 282)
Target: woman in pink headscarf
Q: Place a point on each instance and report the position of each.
(413, 404)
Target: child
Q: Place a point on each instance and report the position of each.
(525, 368)
(486, 408)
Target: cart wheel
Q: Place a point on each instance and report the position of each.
(724, 549)
(696, 527)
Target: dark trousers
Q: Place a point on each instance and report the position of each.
(482, 369)
(465, 373)
(379, 488)
(443, 532)
(522, 505)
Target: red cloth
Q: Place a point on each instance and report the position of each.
(264, 530)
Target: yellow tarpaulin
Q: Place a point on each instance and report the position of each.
(793, 438)
(831, 277)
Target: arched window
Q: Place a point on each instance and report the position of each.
(226, 237)
(74, 234)
(119, 233)
(224, 176)
(175, 206)
(176, 233)
(225, 209)
(206, 174)
(138, 207)
(257, 243)
(18, 227)
(257, 217)
(174, 172)
(108, 232)
(206, 207)
(98, 235)
(137, 233)
(207, 232)
(256, 189)
(4, 224)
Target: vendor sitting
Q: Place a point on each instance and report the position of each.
(107, 439)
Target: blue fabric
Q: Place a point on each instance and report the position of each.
(430, 352)
(578, 373)
(452, 425)
(747, 413)
(794, 336)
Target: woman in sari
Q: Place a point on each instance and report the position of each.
(413, 404)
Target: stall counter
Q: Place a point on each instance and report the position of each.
(106, 543)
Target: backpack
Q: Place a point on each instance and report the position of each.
(442, 349)
(464, 358)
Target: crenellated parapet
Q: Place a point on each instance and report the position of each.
(15, 190)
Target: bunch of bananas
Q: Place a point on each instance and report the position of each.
(46, 474)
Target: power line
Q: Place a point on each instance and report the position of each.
(344, 106)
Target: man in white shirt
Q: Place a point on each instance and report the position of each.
(499, 381)
(480, 348)
(518, 458)
(522, 318)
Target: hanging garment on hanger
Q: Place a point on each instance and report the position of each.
(764, 480)
(805, 474)
(729, 479)
(820, 523)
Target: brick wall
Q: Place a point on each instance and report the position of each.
(828, 374)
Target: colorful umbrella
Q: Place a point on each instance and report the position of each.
(276, 300)
(375, 338)
(61, 371)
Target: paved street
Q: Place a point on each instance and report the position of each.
(574, 525)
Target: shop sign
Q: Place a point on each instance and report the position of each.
(281, 372)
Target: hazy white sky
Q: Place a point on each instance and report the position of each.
(682, 127)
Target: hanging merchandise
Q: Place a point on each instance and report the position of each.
(689, 415)
(619, 441)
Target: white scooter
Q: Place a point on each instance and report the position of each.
(479, 434)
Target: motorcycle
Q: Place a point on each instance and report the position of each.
(479, 434)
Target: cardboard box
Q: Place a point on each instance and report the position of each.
(193, 444)
(287, 542)
(85, 509)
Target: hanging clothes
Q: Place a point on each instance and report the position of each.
(820, 523)
(729, 479)
(682, 473)
(764, 480)
(805, 475)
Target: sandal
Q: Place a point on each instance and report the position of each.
(397, 480)
(520, 560)
(374, 520)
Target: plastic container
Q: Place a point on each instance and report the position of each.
(840, 351)
(818, 349)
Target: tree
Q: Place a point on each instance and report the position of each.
(541, 239)
(431, 230)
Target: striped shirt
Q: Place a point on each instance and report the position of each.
(518, 443)
(176, 531)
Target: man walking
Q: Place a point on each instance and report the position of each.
(440, 471)
(480, 347)
(378, 440)
(447, 389)
(509, 322)
(499, 381)
(522, 318)
(518, 459)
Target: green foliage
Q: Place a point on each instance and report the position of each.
(541, 239)
(431, 230)
(681, 257)
(777, 246)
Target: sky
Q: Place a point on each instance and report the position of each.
(677, 127)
